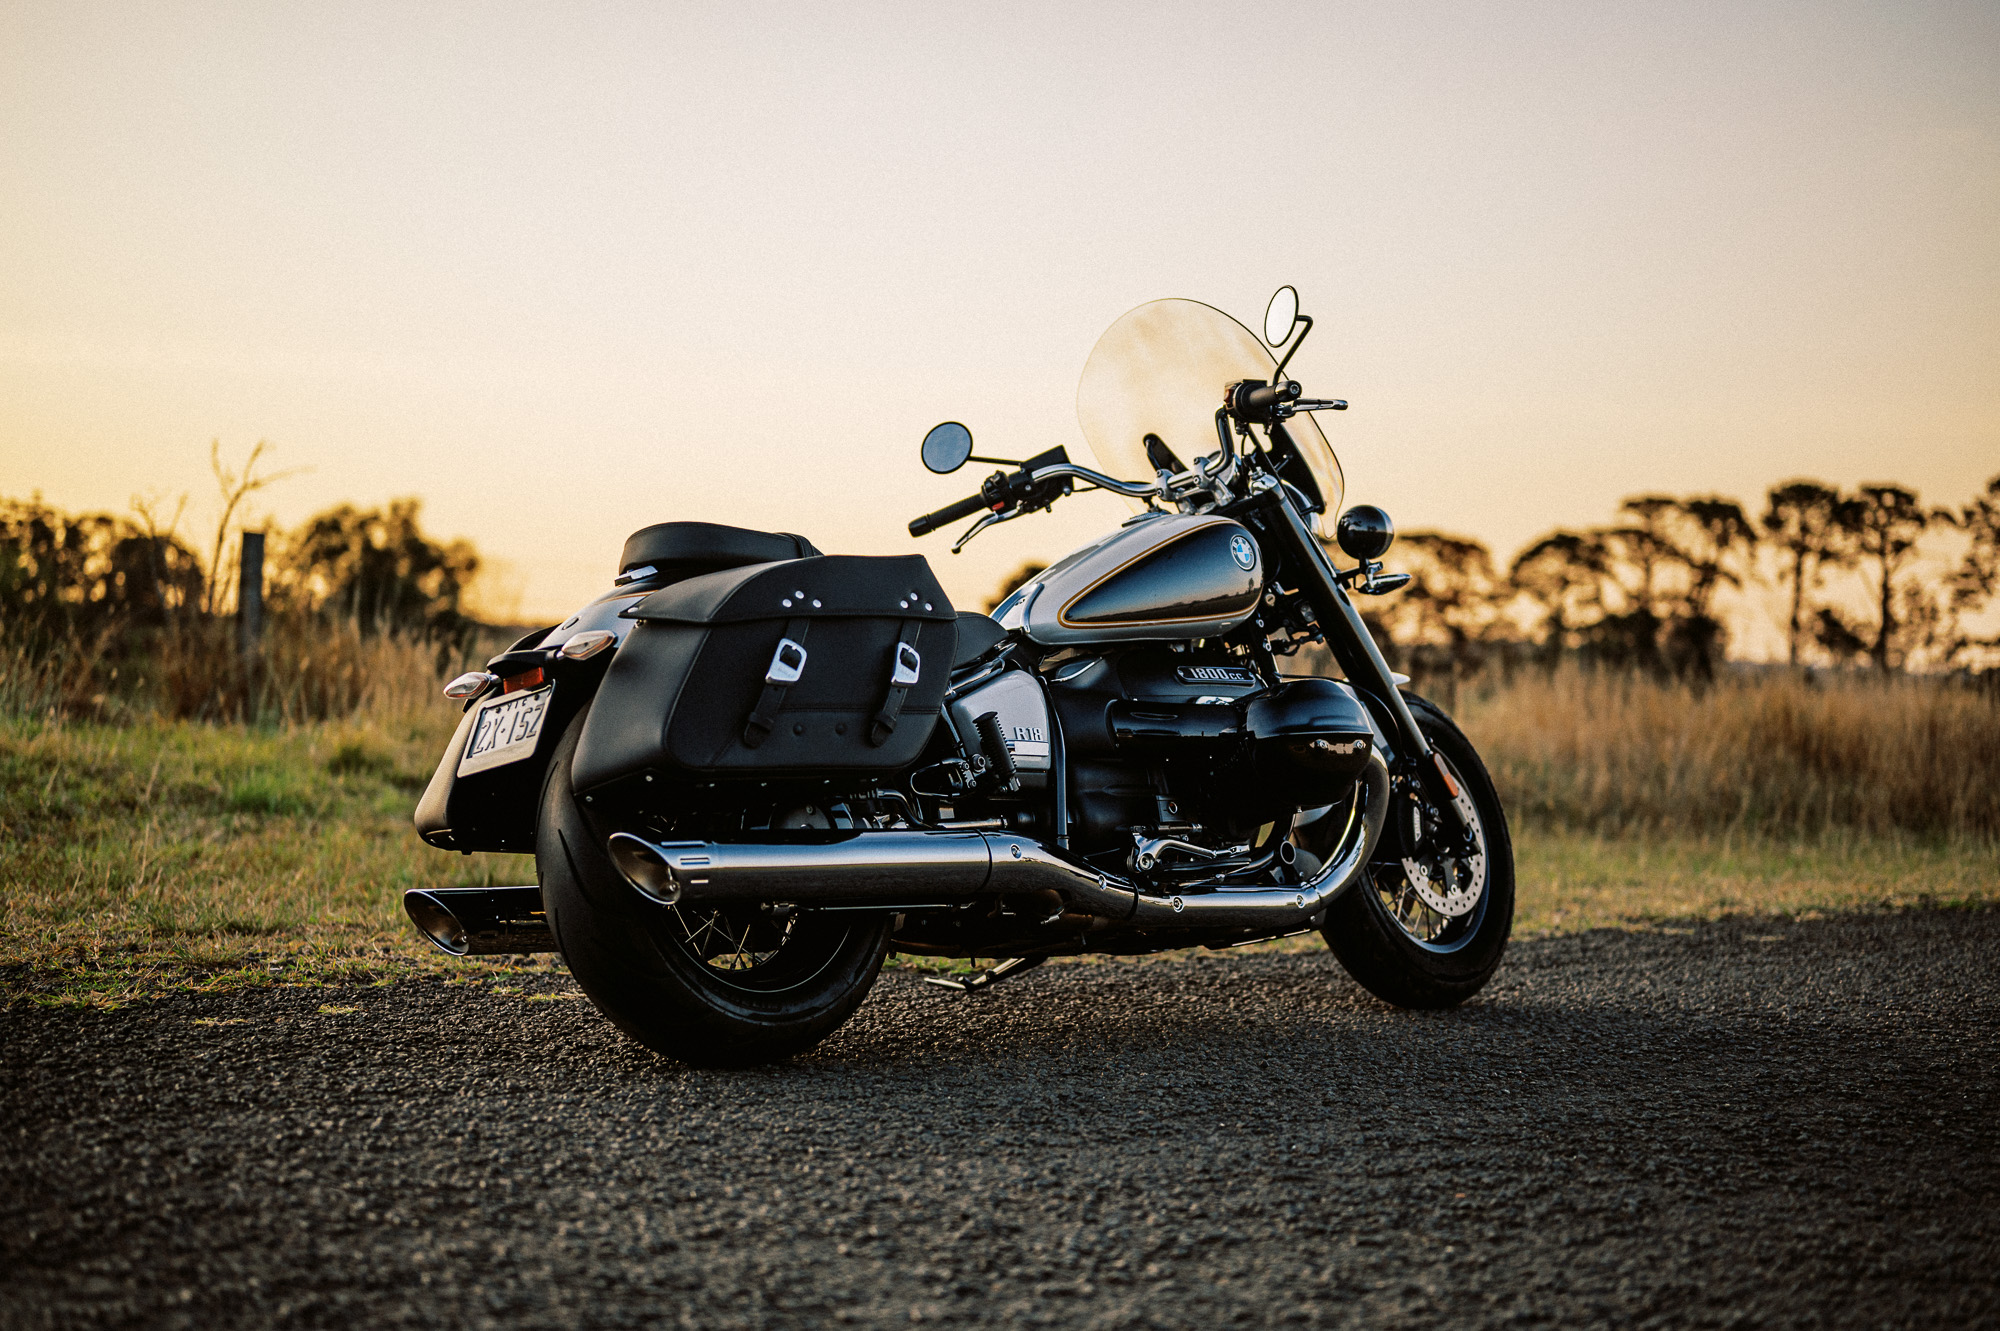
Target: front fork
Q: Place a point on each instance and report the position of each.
(1347, 637)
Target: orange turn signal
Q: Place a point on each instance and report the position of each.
(528, 680)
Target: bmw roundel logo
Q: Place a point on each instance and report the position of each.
(1244, 553)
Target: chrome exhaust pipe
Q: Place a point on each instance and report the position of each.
(1225, 907)
(863, 867)
(911, 868)
(480, 921)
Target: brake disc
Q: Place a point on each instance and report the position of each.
(1451, 885)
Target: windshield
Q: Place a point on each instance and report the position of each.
(1160, 371)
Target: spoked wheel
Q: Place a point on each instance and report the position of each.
(1428, 924)
(732, 942)
(715, 987)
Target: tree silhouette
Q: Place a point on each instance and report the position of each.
(1800, 518)
(1644, 547)
(1014, 581)
(1976, 582)
(67, 577)
(1886, 522)
(1710, 539)
(1451, 598)
(1709, 536)
(377, 568)
(1564, 574)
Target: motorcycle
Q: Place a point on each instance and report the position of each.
(750, 771)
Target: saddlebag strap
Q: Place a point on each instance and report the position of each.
(904, 668)
(787, 664)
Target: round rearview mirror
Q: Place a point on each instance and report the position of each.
(947, 447)
(1280, 315)
(1365, 532)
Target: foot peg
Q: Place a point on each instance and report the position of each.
(990, 976)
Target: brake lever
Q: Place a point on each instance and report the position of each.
(986, 520)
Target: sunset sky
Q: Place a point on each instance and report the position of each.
(566, 270)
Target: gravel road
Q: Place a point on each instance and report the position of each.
(1764, 1123)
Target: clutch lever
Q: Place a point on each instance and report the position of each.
(986, 520)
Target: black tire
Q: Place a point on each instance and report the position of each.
(1395, 946)
(644, 965)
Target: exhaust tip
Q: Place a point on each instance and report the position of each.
(480, 921)
(645, 867)
(435, 921)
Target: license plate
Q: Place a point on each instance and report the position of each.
(505, 730)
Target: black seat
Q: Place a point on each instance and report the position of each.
(679, 550)
(977, 635)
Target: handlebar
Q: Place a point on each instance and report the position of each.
(1046, 477)
(950, 513)
(1134, 489)
(1038, 483)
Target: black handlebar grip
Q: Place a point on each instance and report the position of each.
(1254, 401)
(930, 522)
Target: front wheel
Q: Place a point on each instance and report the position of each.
(1426, 926)
(715, 987)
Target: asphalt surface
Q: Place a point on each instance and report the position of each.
(1754, 1124)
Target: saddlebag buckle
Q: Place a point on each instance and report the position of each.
(787, 663)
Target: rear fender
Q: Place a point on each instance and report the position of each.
(495, 809)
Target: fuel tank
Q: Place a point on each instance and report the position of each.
(1160, 576)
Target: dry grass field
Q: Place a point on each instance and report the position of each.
(155, 855)
(1759, 753)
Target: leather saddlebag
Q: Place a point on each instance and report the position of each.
(831, 666)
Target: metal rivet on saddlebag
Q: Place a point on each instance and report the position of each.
(786, 603)
(815, 603)
(799, 728)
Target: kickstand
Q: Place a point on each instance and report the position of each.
(991, 975)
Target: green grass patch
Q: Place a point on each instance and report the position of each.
(166, 857)
(1570, 881)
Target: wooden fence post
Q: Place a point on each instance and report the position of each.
(250, 595)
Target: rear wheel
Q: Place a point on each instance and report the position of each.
(716, 987)
(1427, 925)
